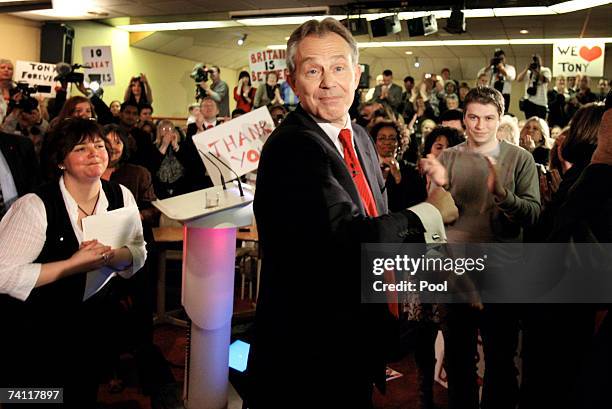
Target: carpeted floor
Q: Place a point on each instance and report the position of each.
(401, 394)
(172, 340)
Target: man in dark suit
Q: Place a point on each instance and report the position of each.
(19, 171)
(319, 196)
(207, 118)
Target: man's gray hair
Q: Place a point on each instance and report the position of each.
(319, 28)
(5, 61)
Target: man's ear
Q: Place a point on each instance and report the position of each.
(291, 81)
(357, 75)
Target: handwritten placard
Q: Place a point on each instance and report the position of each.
(581, 57)
(265, 61)
(238, 143)
(36, 73)
(100, 59)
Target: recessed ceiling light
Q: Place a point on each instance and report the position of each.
(185, 25)
(409, 52)
(523, 31)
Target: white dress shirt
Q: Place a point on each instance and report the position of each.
(541, 97)
(508, 78)
(23, 234)
(334, 132)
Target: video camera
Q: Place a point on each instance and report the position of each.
(199, 74)
(25, 102)
(67, 73)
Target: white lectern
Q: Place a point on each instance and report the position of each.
(209, 251)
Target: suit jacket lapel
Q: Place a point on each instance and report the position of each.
(313, 126)
(346, 179)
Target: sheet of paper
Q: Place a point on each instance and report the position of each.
(114, 229)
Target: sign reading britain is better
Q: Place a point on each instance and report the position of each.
(264, 61)
(578, 57)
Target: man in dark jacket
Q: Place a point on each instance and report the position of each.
(320, 196)
(19, 170)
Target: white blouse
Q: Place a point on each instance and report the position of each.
(23, 234)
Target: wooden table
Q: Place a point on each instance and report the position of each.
(250, 235)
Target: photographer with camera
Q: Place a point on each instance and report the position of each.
(24, 116)
(535, 100)
(91, 107)
(217, 89)
(500, 75)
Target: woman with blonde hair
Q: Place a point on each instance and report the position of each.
(427, 126)
(535, 137)
(6, 84)
(508, 130)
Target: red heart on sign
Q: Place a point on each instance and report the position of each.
(590, 54)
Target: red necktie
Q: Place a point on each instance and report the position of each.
(354, 167)
(209, 126)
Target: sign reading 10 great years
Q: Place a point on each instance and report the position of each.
(100, 59)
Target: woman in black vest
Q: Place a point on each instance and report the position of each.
(51, 337)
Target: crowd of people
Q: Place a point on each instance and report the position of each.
(73, 157)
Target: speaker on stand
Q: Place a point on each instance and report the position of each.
(56, 40)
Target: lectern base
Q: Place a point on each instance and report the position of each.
(206, 386)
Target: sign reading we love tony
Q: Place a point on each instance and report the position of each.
(578, 57)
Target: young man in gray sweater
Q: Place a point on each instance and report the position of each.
(495, 186)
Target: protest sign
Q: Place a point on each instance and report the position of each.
(237, 143)
(578, 57)
(100, 59)
(264, 61)
(36, 73)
